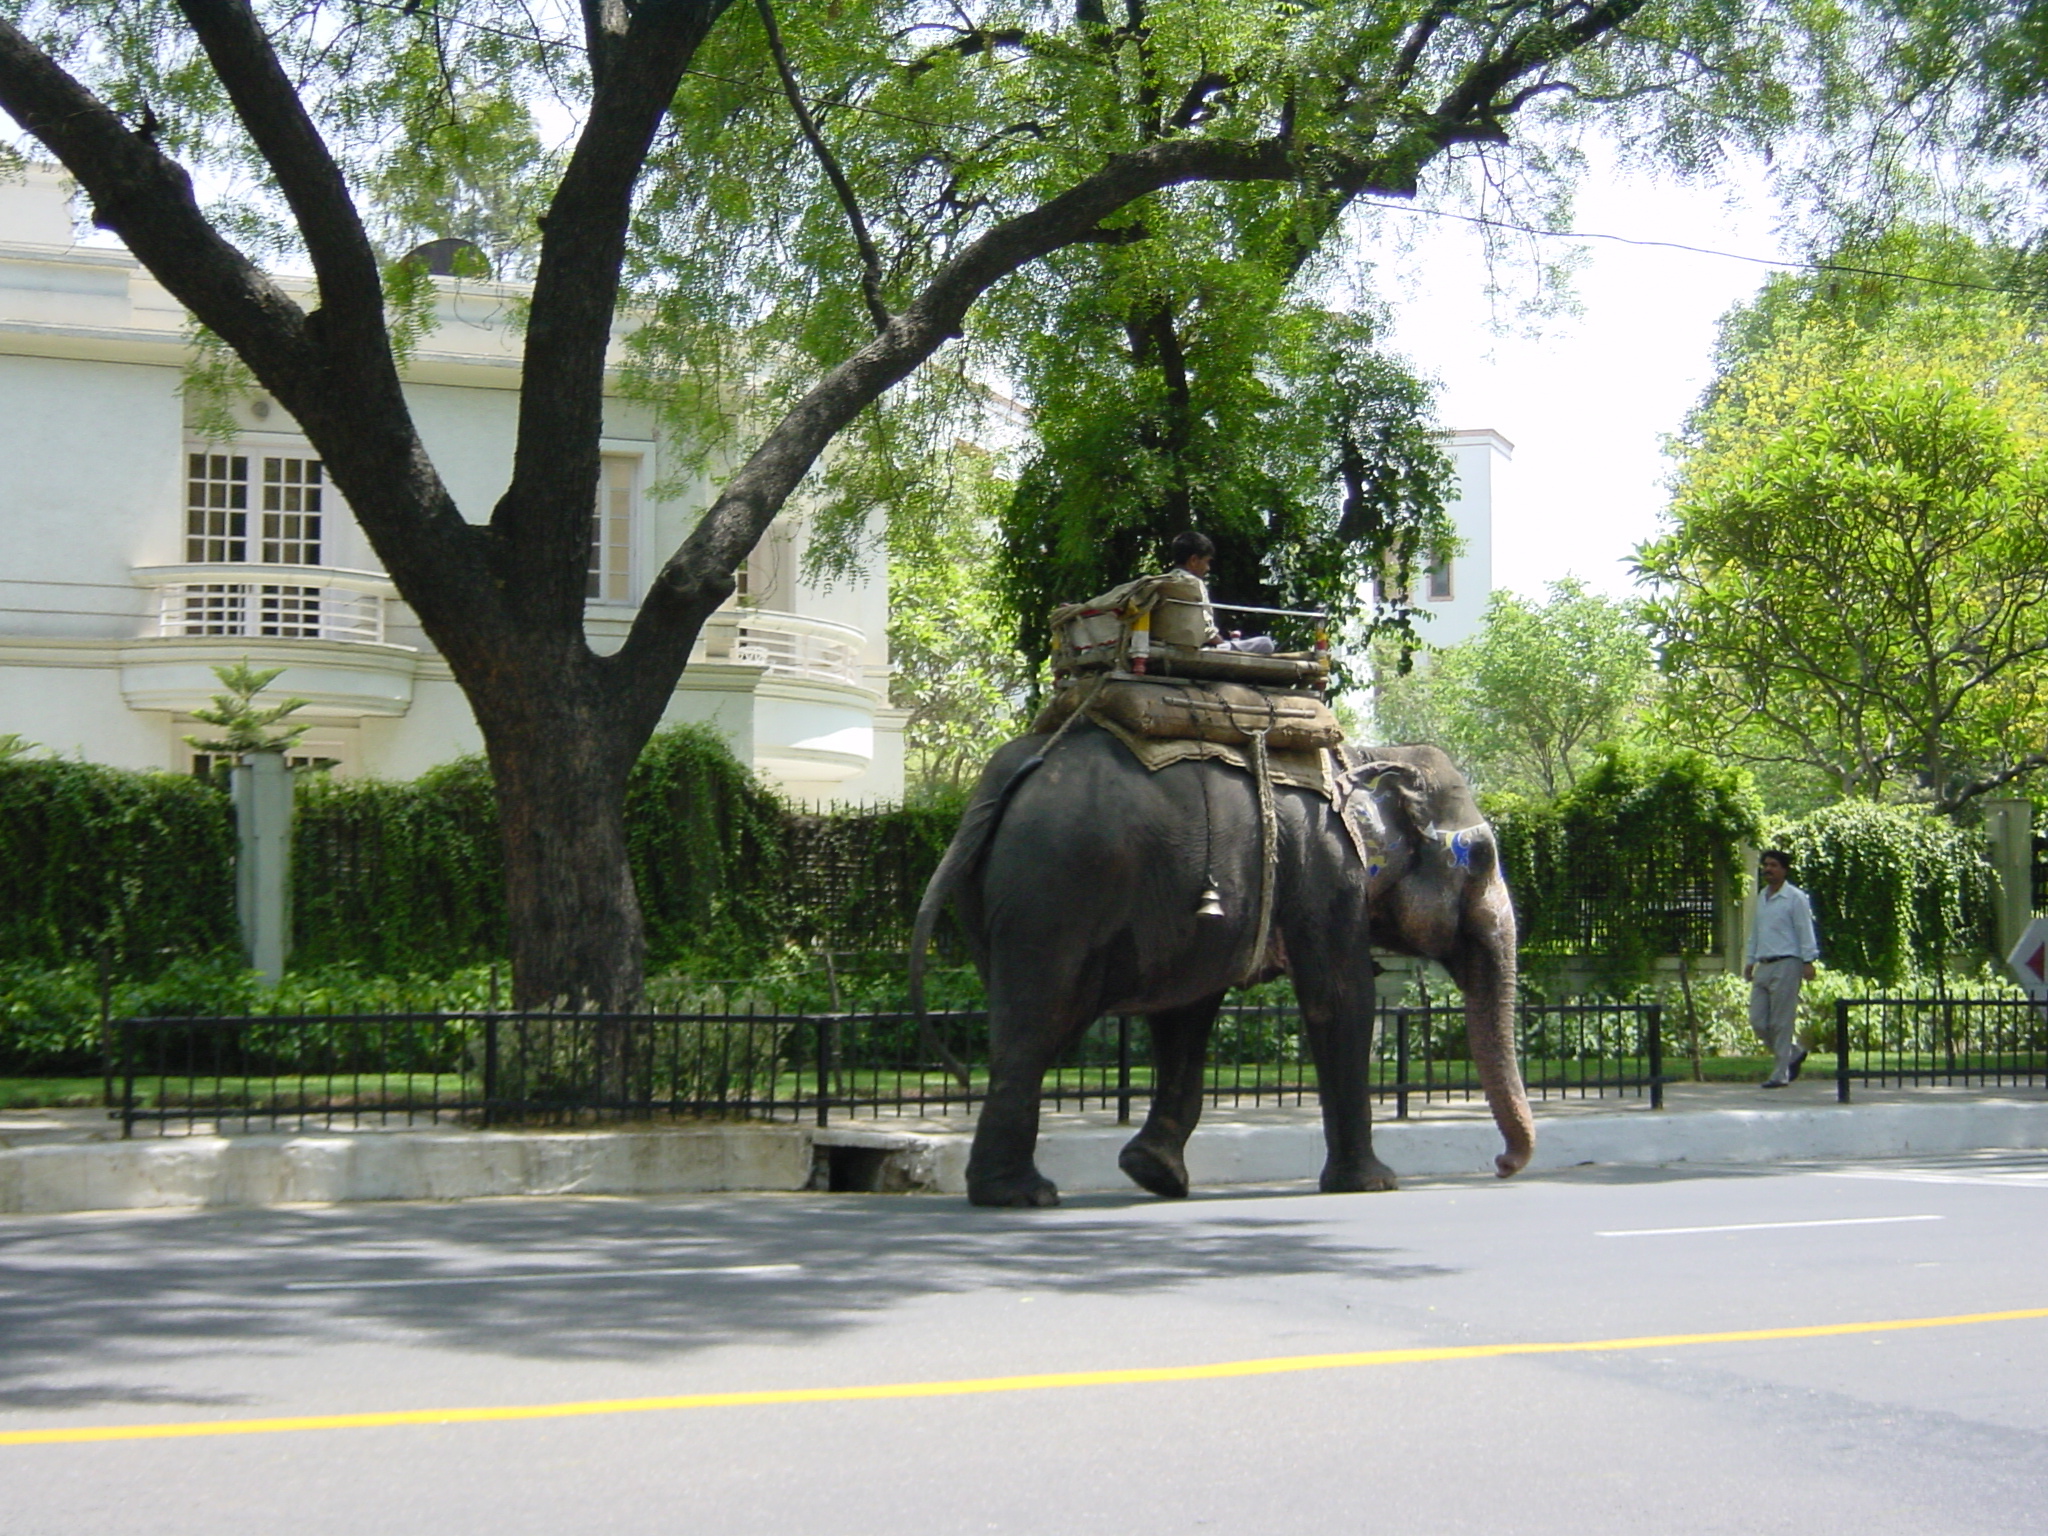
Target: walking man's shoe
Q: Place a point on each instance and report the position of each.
(1775, 1081)
(1797, 1062)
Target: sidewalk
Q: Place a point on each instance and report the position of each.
(74, 1159)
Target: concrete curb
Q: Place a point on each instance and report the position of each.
(415, 1165)
(459, 1165)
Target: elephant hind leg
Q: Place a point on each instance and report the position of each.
(1154, 1158)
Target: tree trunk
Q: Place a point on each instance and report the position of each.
(560, 768)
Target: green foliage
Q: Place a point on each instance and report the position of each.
(398, 880)
(1522, 704)
(398, 877)
(469, 167)
(951, 640)
(1311, 458)
(244, 726)
(862, 874)
(1857, 579)
(708, 849)
(1626, 866)
(49, 1015)
(1895, 891)
(90, 855)
(1174, 374)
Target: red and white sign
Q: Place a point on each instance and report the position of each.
(2029, 958)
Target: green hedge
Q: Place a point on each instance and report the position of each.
(395, 877)
(1626, 865)
(404, 879)
(90, 855)
(1895, 890)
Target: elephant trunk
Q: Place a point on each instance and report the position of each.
(1489, 987)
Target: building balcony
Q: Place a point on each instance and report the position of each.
(266, 602)
(325, 626)
(787, 645)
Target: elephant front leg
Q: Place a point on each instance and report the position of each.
(1154, 1158)
(1340, 1040)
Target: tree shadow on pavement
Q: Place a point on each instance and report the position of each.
(582, 1279)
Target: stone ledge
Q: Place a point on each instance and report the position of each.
(461, 1165)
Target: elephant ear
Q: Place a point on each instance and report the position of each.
(1379, 784)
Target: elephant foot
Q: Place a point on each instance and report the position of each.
(1374, 1178)
(1031, 1190)
(1156, 1168)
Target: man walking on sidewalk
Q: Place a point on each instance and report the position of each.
(1779, 957)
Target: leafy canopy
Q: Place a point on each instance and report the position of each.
(1523, 704)
(1857, 576)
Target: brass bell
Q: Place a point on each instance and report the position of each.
(1210, 904)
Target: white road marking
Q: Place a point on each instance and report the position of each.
(1919, 1176)
(1767, 1226)
(543, 1276)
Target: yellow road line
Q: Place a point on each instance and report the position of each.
(1219, 1371)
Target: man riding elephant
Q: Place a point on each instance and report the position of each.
(1090, 883)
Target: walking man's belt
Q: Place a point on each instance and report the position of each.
(1768, 959)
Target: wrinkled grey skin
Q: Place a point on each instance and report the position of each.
(1078, 894)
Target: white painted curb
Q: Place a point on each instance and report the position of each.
(461, 1165)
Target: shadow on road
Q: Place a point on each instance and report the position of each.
(570, 1279)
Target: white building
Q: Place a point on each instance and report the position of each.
(136, 554)
(1453, 590)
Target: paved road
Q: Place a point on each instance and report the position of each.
(427, 1321)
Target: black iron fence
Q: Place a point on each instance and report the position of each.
(1959, 1042)
(196, 1075)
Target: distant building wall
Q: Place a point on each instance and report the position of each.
(1452, 593)
(112, 618)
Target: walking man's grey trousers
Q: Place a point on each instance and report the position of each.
(1774, 1008)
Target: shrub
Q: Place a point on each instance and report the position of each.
(89, 855)
(1895, 890)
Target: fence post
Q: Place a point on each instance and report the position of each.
(1656, 1056)
(106, 1024)
(1400, 1063)
(127, 1078)
(1841, 1050)
(824, 1071)
(491, 1053)
(1123, 1069)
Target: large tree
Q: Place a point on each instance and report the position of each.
(1856, 580)
(936, 150)
(1523, 703)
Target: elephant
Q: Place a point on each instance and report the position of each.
(1079, 875)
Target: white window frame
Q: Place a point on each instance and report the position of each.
(614, 522)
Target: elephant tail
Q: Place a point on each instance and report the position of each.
(976, 828)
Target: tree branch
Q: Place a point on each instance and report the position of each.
(351, 310)
(145, 197)
(870, 262)
(575, 294)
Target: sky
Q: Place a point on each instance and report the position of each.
(1587, 403)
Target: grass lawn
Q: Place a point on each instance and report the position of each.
(49, 1092)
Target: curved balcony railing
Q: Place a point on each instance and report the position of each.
(262, 602)
(786, 644)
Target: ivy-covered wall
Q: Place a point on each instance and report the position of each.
(140, 862)
(1895, 890)
(1625, 866)
(406, 879)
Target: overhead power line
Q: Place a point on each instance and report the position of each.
(1696, 250)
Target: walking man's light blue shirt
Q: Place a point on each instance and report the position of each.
(1783, 925)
